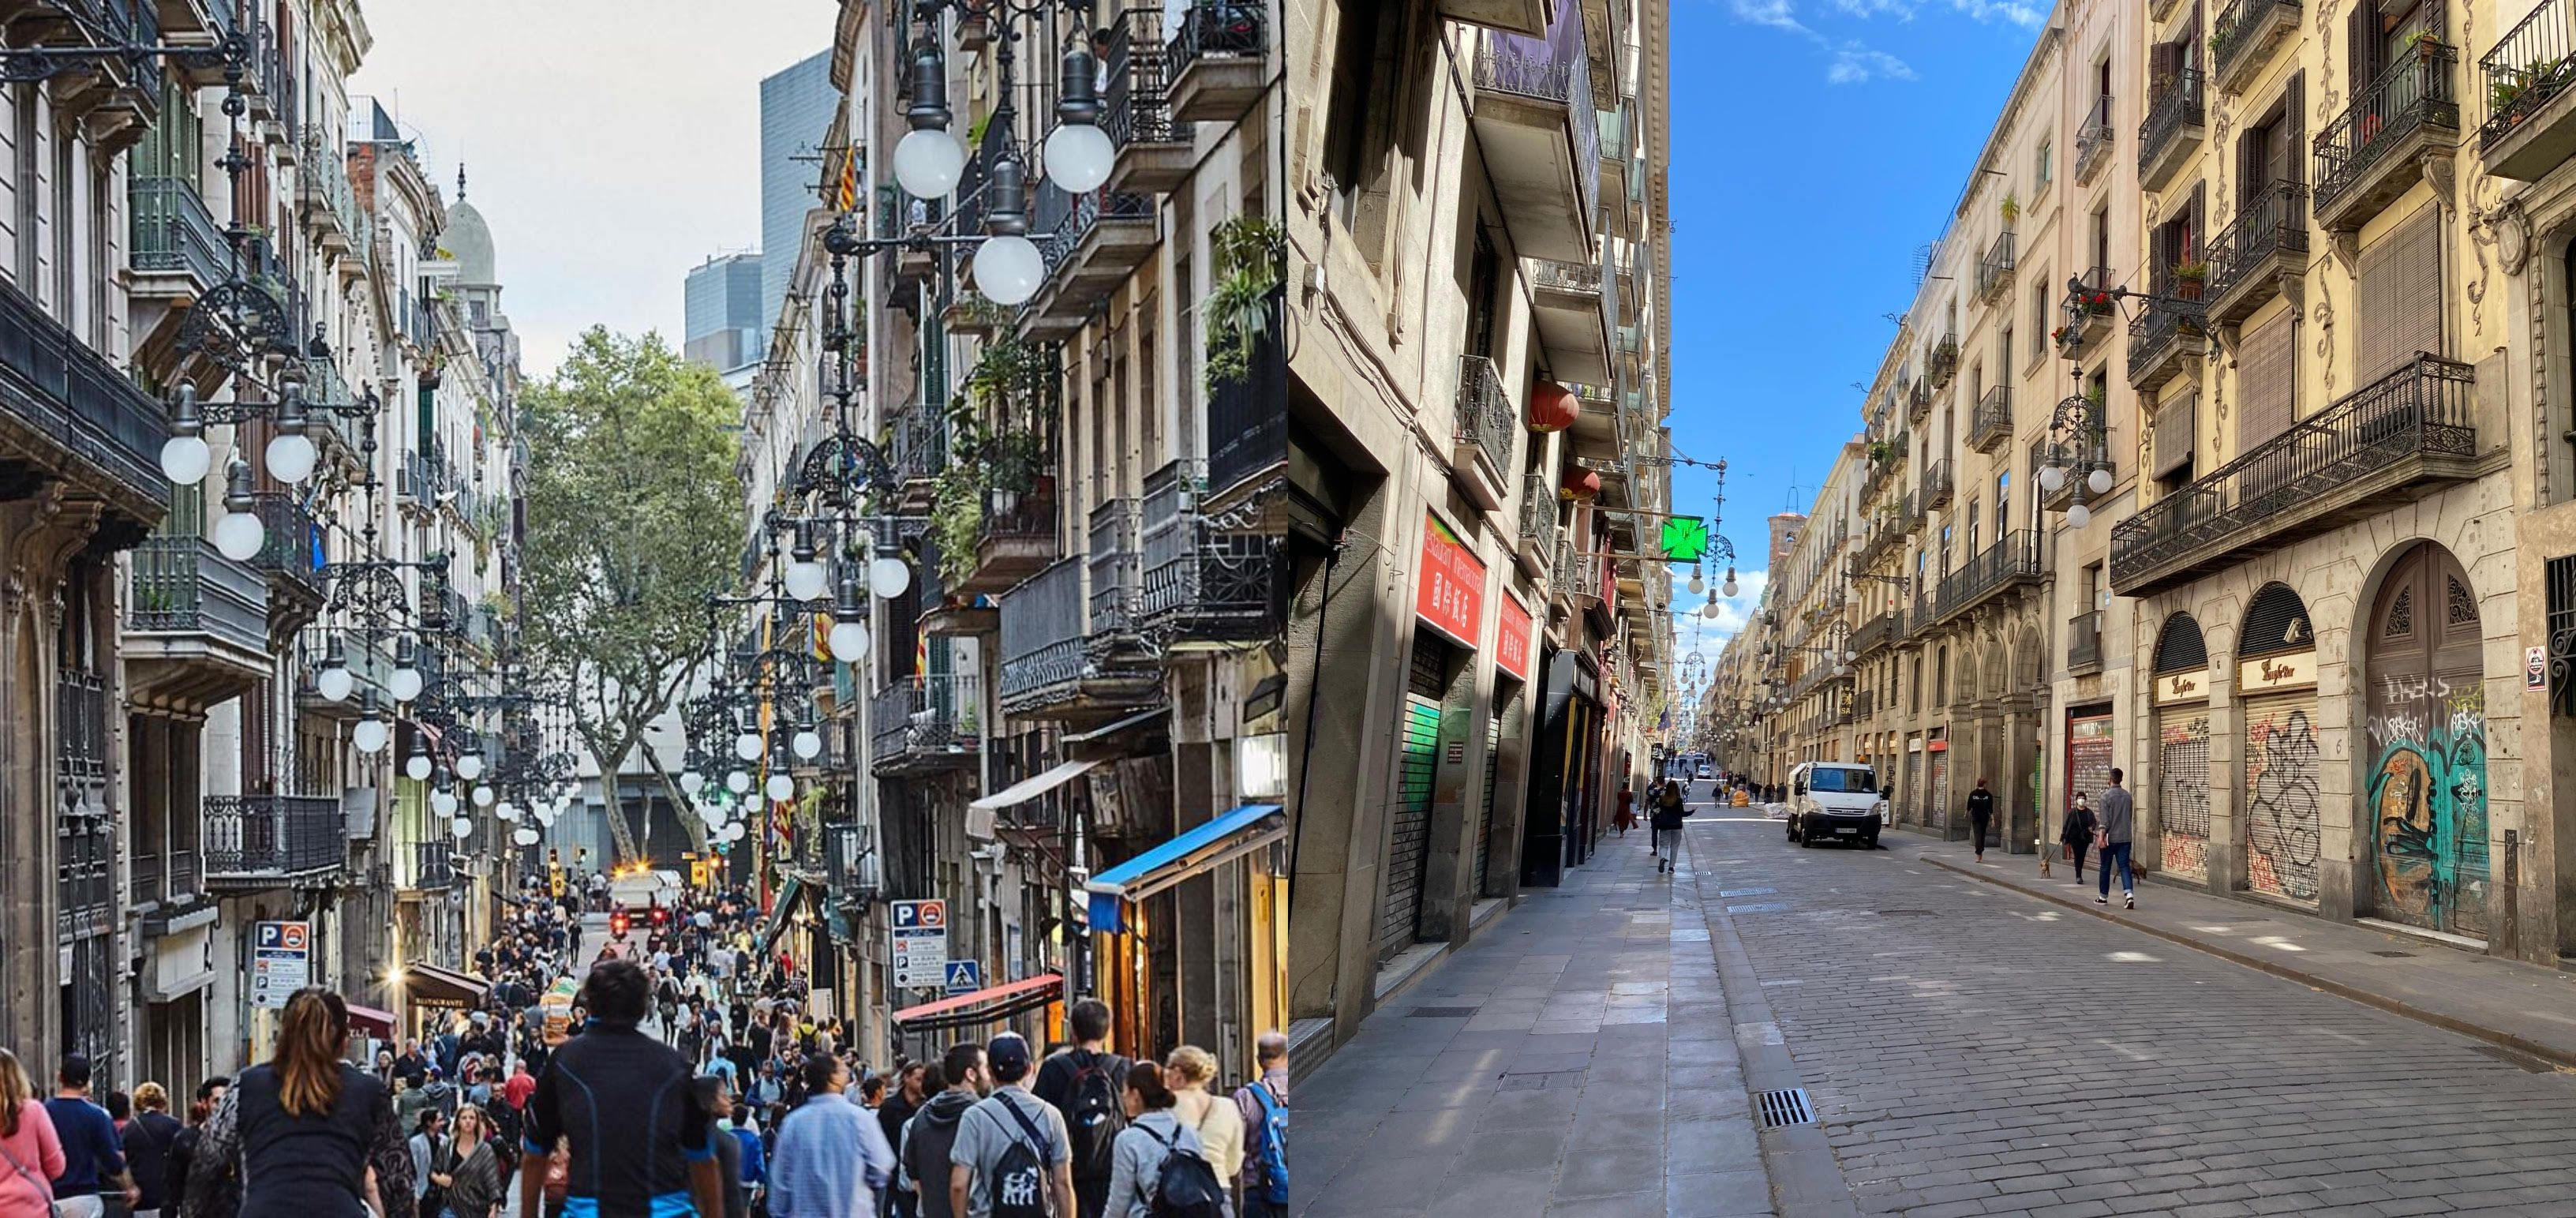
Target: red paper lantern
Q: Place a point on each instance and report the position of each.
(1552, 407)
(1580, 485)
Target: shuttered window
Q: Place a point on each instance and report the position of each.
(2174, 433)
(2267, 379)
(2401, 294)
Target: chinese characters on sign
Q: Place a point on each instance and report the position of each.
(1512, 639)
(1450, 597)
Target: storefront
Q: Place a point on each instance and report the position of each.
(2180, 808)
(1244, 842)
(1938, 751)
(1448, 607)
(2089, 753)
(2276, 684)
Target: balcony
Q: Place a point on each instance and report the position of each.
(1565, 301)
(1535, 119)
(1918, 402)
(324, 199)
(179, 251)
(1091, 243)
(2243, 37)
(1510, 16)
(2093, 141)
(1937, 485)
(2172, 130)
(68, 414)
(2395, 440)
(1864, 703)
(1942, 361)
(920, 443)
(1487, 423)
(1046, 668)
(2089, 301)
(1203, 583)
(2165, 336)
(1991, 423)
(433, 865)
(1154, 153)
(1918, 619)
(1995, 270)
(2264, 245)
(2084, 643)
(2013, 561)
(2528, 132)
(926, 724)
(1538, 528)
(1117, 576)
(1876, 633)
(1218, 60)
(196, 624)
(1617, 144)
(1248, 416)
(272, 841)
(2376, 148)
(1015, 541)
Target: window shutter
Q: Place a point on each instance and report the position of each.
(2268, 367)
(2195, 237)
(2294, 126)
(2401, 295)
(2175, 431)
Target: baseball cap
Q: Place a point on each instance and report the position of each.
(1008, 1054)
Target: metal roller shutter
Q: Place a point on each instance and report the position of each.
(2182, 792)
(2267, 381)
(1418, 733)
(2284, 822)
(1485, 817)
(2401, 295)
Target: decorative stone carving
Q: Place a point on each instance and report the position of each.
(2512, 235)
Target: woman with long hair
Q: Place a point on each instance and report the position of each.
(1153, 1132)
(468, 1169)
(312, 1135)
(30, 1155)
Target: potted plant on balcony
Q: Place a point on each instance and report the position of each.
(2011, 208)
(1250, 256)
(2190, 278)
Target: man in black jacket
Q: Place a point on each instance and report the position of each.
(1981, 814)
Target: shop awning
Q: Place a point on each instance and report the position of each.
(436, 985)
(784, 908)
(1139, 719)
(983, 1006)
(379, 1024)
(1222, 840)
(980, 814)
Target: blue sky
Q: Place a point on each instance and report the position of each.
(1795, 226)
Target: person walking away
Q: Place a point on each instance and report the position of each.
(93, 1155)
(30, 1155)
(1187, 1071)
(1981, 816)
(469, 1171)
(831, 1157)
(902, 1099)
(755, 1159)
(1626, 817)
(1082, 1084)
(148, 1138)
(1162, 1169)
(922, 1152)
(307, 1133)
(1012, 1157)
(2077, 833)
(712, 1097)
(1264, 1104)
(2119, 820)
(1669, 811)
(607, 1094)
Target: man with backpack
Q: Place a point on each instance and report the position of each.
(931, 1133)
(1264, 1102)
(1085, 1084)
(1012, 1157)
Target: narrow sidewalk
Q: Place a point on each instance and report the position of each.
(1575, 1059)
(2518, 1006)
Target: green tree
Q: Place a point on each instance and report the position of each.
(635, 517)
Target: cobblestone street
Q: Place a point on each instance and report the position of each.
(1968, 1049)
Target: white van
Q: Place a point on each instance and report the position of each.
(1835, 801)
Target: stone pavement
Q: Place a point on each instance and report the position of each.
(1576, 1058)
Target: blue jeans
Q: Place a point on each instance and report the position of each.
(2116, 852)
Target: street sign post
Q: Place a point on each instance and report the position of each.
(281, 961)
(964, 977)
(920, 954)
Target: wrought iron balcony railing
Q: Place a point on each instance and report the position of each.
(914, 720)
(263, 840)
(2084, 641)
(171, 229)
(293, 550)
(1937, 484)
(58, 388)
(1202, 580)
(2175, 107)
(2272, 220)
(2414, 93)
(1042, 631)
(180, 585)
(1219, 27)
(2013, 558)
(2159, 329)
(1248, 416)
(2534, 62)
(2093, 139)
(1991, 423)
(1995, 270)
(1485, 416)
(2422, 413)
(2231, 33)
(1136, 108)
(1117, 567)
(1538, 511)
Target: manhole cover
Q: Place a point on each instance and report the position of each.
(1905, 913)
(1542, 1080)
(2395, 955)
(1784, 1107)
(2523, 1061)
(1762, 907)
(1441, 1012)
(1746, 892)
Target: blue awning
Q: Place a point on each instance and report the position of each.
(1222, 840)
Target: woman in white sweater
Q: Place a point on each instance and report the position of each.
(1152, 1132)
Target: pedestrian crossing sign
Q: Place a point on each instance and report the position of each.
(1685, 538)
(965, 976)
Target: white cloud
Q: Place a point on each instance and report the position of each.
(1707, 635)
(1773, 13)
(2001, 10)
(1854, 63)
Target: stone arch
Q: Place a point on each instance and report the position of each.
(2180, 646)
(2423, 745)
(2281, 746)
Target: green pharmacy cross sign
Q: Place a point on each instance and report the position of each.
(1685, 538)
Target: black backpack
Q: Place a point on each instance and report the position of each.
(1019, 1183)
(1095, 1116)
(1186, 1185)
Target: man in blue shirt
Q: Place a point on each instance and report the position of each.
(832, 1157)
(624, 1102)
(93, 1155)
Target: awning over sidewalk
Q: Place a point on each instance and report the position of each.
(980, 814)
(439, 986)
(789, 896)
(1222, 840)
(379, 1024)
(983, 1006)
(1139, 719)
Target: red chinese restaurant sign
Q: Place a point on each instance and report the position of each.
(1512, 638)
(1450, 597)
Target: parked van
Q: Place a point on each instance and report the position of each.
(1835, 801)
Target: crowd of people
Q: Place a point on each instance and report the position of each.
(686, 1075)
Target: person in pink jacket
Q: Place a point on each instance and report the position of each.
(30, 1154)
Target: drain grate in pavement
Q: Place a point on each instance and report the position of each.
(1542, 1080)
(1441, 1012)
(2522, 1061)
(1906, 913)
(1759, 907)
(1788, 1106)
(2395, 955)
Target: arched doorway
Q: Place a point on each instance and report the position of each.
(2180, 809)
(2426, 784)
(2276, 678)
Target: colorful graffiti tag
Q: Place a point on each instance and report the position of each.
(2283, 821)
(2182, 794)
(2428, 802)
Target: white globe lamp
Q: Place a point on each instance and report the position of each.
(807, 580)
(240, 535)
(1078, 157)
(1008, 269)
(290, 457)
(888, 577)
(928, 161)
(185, 459)
(779, 787)
(808, 744)
(849, 640)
